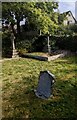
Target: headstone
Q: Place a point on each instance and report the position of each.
(44, 89)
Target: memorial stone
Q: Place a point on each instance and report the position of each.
(44, 89)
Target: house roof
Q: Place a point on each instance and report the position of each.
(66, 13)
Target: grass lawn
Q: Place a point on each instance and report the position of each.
(20, 78)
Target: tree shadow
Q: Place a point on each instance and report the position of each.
(68, 60)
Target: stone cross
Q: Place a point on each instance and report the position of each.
(14, 52)
(44, 89)
(48, 44)
(12, 39)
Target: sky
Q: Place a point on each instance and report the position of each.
(66, 5)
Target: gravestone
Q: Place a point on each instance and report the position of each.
(44, 89)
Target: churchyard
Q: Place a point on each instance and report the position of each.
(35, 39)
(20, 79)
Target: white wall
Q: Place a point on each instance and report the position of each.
(69, 19)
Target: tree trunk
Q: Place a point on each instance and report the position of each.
(18, 26)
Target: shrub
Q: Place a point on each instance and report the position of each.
(39, 43)
(24, 46)
(67, 43)
(6, 45)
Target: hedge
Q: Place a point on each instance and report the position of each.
(6, 45)
(56, 42)
(67, 43)
(38, 44)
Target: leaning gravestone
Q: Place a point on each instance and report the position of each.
(44, 89)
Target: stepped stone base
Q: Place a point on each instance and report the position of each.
(15, 54)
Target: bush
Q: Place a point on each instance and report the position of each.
(6, 45)
(24, 46)
(57, 42)
(67, 43)
(35, 44)
(39, 43)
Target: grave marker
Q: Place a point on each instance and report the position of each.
(44, 89)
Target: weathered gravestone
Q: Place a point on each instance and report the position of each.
(14, 52)
(44, 89)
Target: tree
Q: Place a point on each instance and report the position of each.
(39, 14)
(73, 28)
(12, 11)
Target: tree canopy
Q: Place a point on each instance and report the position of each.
(40, 15)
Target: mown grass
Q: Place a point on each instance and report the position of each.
(20, 78)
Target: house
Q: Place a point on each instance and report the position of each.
(69, 18)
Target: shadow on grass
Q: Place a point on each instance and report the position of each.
(23, 103)
(68, 60)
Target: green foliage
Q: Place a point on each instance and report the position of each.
(72, 28)
(6, 44)
(39, 43)
(24, 46)
(67, 42)
(61, 18)
(39, 14)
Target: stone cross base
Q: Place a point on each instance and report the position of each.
(15, 54)
(47, 49)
